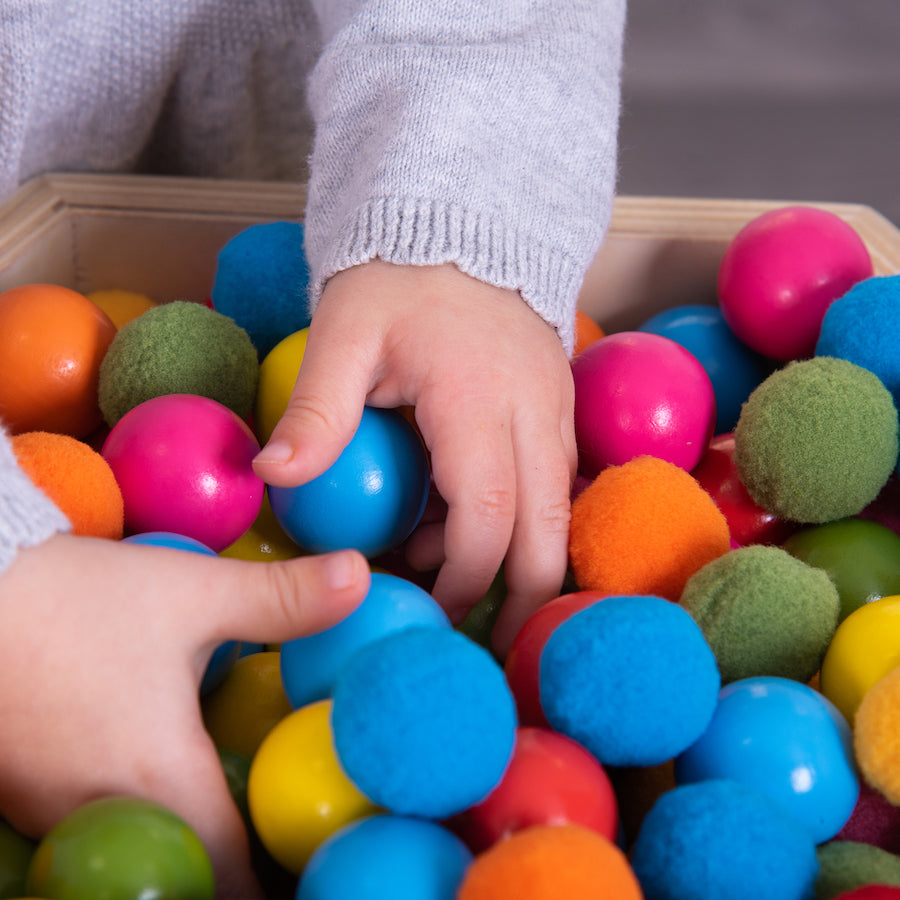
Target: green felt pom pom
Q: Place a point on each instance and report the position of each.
(763, 612)
(817, 440)
(847, 865)
(178, 348)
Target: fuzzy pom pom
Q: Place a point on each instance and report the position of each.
(644, 528)
(545, 862)
(764, 613)
(424, 722)
(262, 282)
(876, 739)
(863, 327)
(817, 440)
(178, 348)
(631, 678)
(848, 865)
(720, 839)
(76, 478)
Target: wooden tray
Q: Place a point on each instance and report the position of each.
(160, 236)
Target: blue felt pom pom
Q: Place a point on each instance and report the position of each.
(733, 368)
(863, 327)
(424, 722)
(262, 282)
(631, 678)
(718, 839)
(386, 858)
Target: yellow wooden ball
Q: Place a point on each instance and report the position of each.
(865, 647)
(248, 704)
(297, 792)
(277, 376)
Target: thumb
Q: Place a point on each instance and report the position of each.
(272, 602)
(321, 417)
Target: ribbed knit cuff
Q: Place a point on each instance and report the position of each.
(27, 516)
(427, 232)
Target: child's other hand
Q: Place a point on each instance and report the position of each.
(104, 646)
(492, 390)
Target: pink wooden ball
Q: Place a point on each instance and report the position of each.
(782, 271)
(640, 394)
(183, 463)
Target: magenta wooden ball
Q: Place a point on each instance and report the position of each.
(184, 465)
(641, 394)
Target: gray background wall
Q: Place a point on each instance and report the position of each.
(766, 99)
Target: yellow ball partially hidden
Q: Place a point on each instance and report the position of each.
(865, 647)
(297, 791)
(121, 306)
(248, 704)
(264, 541)
(277, 376)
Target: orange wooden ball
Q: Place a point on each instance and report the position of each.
(52, 341)
(76, 478)
(546, 862)
(586, 331)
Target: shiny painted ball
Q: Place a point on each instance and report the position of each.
(386, 857)
(786, 740)
(184, 464)
(297, 792)
(310, 664)
(781, 272)
(641, 394)
(734, 369)
(551, 780)
(370, 499)
(121, 848)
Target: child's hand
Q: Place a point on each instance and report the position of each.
(104, 646)
(492, 390)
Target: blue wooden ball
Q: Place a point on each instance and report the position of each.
(310, 665)
(386, 857)
(369, 500)
(786, 740)
(733, 368)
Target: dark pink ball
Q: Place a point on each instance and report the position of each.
(183, 463)
(640, 394)
(782, 271)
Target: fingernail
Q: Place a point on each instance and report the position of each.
(275, 452)
(340, 570)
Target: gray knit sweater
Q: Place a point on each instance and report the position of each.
(466, 131)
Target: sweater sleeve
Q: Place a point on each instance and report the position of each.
(27, 516)
(483, 135)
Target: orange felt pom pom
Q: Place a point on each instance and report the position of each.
(586, 331)
(644, 528)
(76, 478)
(546, 862)
(876, 738)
